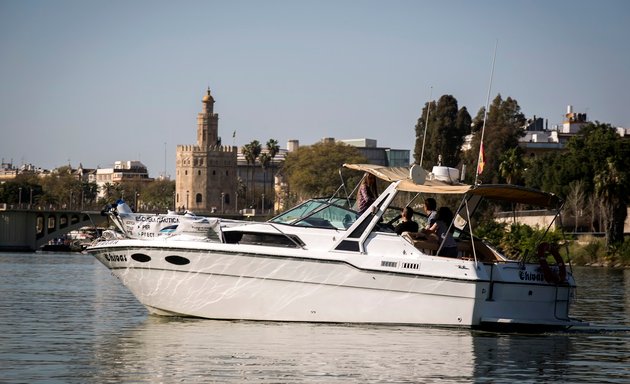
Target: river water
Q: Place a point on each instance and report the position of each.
(65, 319)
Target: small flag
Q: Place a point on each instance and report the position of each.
(482, 160)
(234, 134)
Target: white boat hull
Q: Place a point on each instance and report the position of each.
(220, 283)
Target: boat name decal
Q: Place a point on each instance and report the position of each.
(157, 219)
(115, 258)
(529, 276)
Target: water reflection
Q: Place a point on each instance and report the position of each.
(289, 352)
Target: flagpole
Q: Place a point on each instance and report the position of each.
(485, 115)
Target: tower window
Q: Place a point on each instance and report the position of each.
(199, 173)
(198, 198)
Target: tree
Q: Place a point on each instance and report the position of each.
(611, 186)
(157, 195)
(598, 158)
(272, 147)
(251, 152)
(447, 126)
(265, 160)
(511, 165)
(313, 171)
(503, 127)
(576, 200)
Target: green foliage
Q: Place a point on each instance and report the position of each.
(511, 165)
(599, 160)
(623, 252)
(587, 251)
(313, 171)
(157, 196)
(518, 241)
(503, 128)
(447, 126)
(491, 231)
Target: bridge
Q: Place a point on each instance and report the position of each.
(26, 230)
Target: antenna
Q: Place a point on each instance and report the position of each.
(164, 161)
(424, 137)
(485, 113)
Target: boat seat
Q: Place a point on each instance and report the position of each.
(484, 253)
(464, 248)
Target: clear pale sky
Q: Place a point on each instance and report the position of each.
(93, 82)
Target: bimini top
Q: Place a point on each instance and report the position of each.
(499, 192)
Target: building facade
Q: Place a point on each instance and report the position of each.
(123, 171)
(378, 155)
(206, 173)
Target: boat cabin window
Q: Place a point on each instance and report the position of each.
(321, 213)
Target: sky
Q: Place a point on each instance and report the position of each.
(92, 82)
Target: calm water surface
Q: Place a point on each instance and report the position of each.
(65, 319)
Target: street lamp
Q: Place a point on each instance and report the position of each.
(222, 200)
(20, 197)
(186, 200)
(30, 202)
(262, 204)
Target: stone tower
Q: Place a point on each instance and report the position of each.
(206, 177)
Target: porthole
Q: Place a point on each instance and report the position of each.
(141, 258)
(177, 260)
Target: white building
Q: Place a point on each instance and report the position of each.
(123, 171)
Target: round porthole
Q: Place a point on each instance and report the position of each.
(177, 260)
(141, 258)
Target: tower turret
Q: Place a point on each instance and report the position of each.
(207, 123)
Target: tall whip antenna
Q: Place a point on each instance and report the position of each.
(485, 114)
(424, 137)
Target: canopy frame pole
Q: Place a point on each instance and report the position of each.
(472, 238)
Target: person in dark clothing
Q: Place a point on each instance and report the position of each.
(407, 224)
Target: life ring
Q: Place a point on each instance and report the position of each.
(550, 275)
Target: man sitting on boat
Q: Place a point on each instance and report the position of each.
(407, 224)
(438, 233)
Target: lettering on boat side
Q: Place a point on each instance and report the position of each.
(147, 234)
(158, 219)
(108, 242)
(115, 258)
(528, 276)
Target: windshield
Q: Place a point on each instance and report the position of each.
(323, 213)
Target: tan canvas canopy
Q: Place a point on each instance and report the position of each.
(501, 192)
(393, 174)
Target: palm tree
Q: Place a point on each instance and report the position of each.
(611, 187)
(511, 165)
(251, 152)
(265, 160)
(249, 157)
(272, 149)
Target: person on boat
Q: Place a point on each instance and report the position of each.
(367, 193)
(430, 208)
(406, 224)
(440, 230)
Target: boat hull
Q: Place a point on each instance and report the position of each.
(216, 282)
